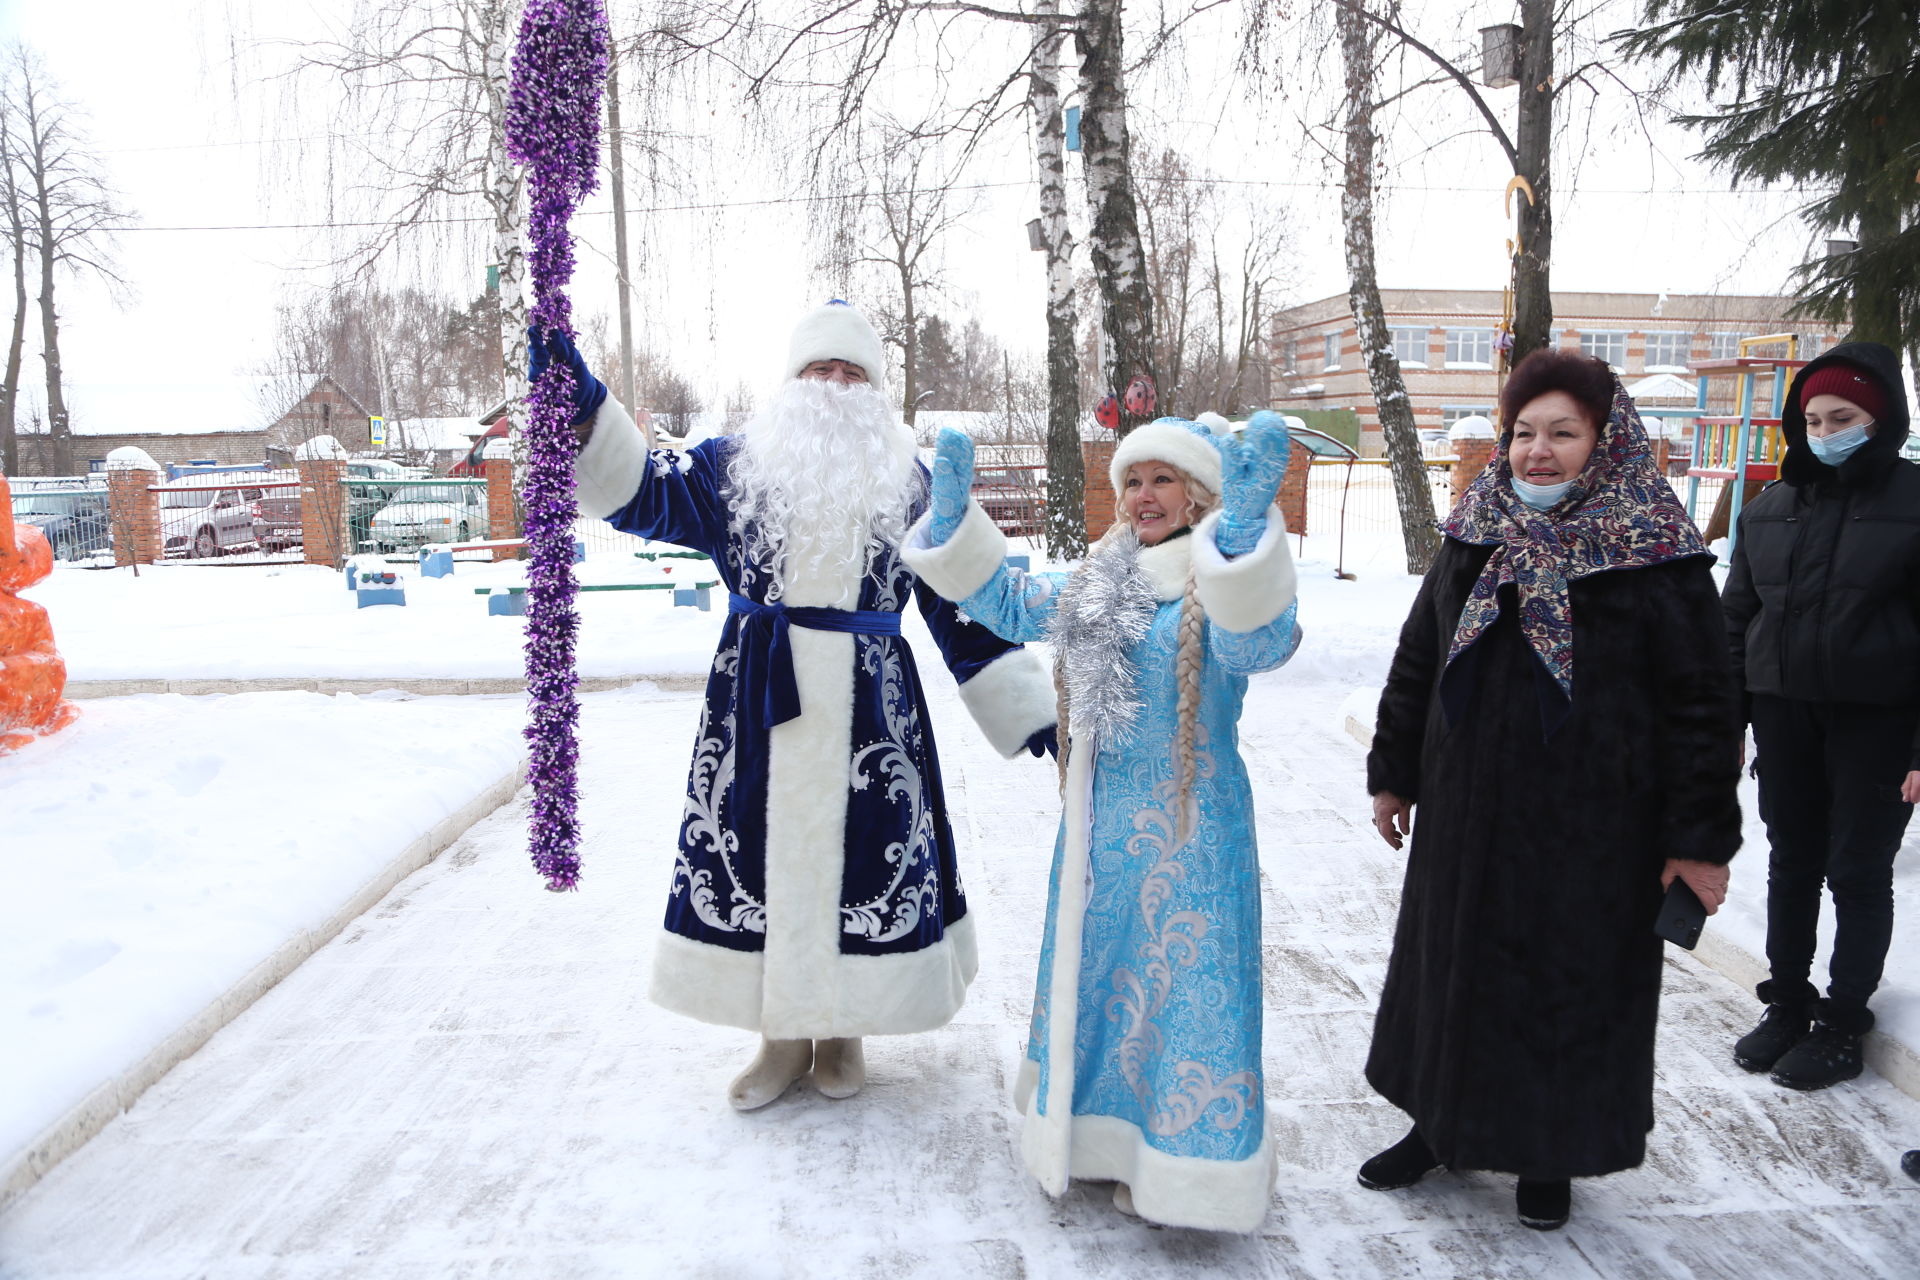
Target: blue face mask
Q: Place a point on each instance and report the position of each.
(1540, 496)
(1836, 448)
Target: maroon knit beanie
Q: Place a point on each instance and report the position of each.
(1849, 382)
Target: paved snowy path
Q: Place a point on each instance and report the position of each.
(471, 1082)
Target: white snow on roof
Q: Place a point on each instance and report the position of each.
(444, 434)
(1663, 386)
(319, 447)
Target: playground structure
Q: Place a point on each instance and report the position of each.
(32, 675)
(1742, 450)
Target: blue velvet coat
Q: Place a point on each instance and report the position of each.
(815, 891)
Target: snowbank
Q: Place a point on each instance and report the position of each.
(162, 847)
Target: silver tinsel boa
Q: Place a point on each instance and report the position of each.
(1105, 609)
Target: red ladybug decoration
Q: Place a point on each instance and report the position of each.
(1140, 396)
(1107, 414)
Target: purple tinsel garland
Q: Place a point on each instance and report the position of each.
(553, 131)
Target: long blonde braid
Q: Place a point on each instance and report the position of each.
(1188, 660)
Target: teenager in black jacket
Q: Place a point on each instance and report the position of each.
(1823, 611)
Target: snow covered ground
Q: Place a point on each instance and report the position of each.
(469, 1080)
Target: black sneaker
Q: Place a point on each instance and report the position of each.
(1400, 1165)
(1781, 1027)
(1544, 1206)
(1831, 1051)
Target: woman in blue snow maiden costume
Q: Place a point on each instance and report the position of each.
(1143, 1064)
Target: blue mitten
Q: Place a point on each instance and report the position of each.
(952, 484)
(1251, 468)
(588, 391)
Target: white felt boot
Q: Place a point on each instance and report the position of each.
(778, 1064)
(839, 1067)
(1123, 1199)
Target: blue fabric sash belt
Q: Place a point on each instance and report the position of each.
(779, 693)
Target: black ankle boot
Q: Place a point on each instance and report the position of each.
(1831, 1051)
(1544, 1206)
(1784, 1024)
(1910, 1164)
(1400, 1165)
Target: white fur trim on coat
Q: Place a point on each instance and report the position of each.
(1165, 565)
(1176, 1191)
(875, 995)
(608, 468)
(1249, 591)
(962, 564)
(1166, 441)
(837, 331)
(1011, 699)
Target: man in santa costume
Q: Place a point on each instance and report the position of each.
(815, 897)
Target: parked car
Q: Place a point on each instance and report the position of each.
(423, 513)
(201, 522)
(1015, 498)
(277, 524)
(75, 521)
(371, 484)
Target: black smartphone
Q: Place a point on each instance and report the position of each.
(1682, 917)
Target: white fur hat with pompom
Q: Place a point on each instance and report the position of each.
(838, 331)
(1194, 447)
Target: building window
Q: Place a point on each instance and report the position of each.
(1331, 359)
(1291, 351)
(1669, 350)
(1410, 346)
(1724, 346)
(1470, 348)
(1452, 413)
(1606, 344)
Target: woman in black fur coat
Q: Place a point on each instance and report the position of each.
(1561, 709)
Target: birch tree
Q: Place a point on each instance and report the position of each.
(15, 230)
(1358, 52)
(1066, 466)
(69, 213)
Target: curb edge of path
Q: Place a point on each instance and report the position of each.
(1894, 1061)
(22, 1169)
(423, 685)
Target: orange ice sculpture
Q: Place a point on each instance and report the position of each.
(32, 675)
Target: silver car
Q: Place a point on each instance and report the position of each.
(204, 521)
(421, 513)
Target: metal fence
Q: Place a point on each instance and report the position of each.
(206, 521)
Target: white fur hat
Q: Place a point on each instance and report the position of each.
(1194, 447)
(837, 332)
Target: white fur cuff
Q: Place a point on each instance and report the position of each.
(607, 472)
(963, 563)
(1011, 699)
(1249, 591)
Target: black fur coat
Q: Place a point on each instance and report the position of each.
(1517, 1022)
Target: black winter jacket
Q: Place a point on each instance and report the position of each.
(1823, 601)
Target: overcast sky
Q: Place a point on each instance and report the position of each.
(723, 280)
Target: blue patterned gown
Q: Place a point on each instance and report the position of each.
(1143, 1060)
(815, 892)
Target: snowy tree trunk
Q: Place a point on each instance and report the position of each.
(1066, 475)
(59, 429)
(16, 231)
(1409, 470)
(504, 198)
(1533, 141)
(1119, 265)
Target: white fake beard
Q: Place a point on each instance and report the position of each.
(821, 473)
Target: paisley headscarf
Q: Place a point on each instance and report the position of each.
(1620, 514)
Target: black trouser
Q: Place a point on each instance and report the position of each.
(1830, 778)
